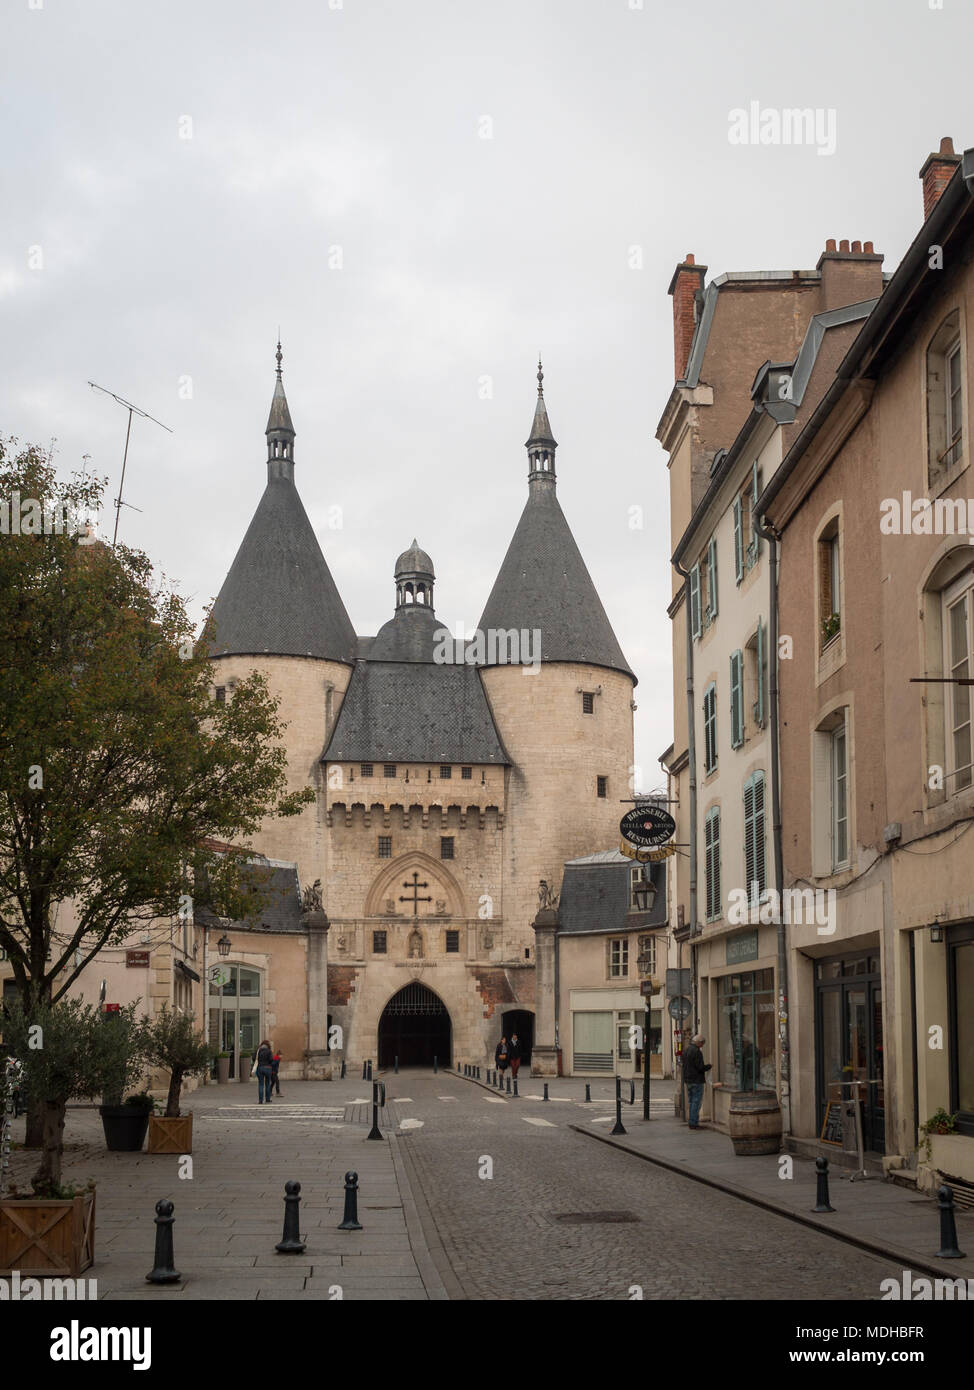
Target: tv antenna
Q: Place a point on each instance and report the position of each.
(132, 410)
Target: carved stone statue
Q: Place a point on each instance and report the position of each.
(547, 900)
(390, 908)
(342, 943)
(415, 945)
(441, 907)
(311, 899)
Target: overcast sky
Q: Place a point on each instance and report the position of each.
(485, 171)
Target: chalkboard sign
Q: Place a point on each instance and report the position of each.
(832, 1124)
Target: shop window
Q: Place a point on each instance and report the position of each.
(746, 1031)
(960, 944)
(592, 1042)
(624, 1026)
(958, 651)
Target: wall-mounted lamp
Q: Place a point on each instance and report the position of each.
(936, 932)
(223, 945)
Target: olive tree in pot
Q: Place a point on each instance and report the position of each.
(175, 1045)
(125, 1121)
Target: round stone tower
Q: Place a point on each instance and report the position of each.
(563, 706)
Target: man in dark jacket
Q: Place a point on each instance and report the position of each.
(694, 1075)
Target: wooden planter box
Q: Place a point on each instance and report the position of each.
(171, 1134)
(47, 1237)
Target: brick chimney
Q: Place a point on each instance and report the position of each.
(850, 274)
(687, 279)
(937, 171)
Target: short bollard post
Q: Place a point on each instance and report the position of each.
(515, 1086)
(822, 1186)
(435, 1067)
(466, 1068)
(545, 1096)
(948, 1226)
(164, 1272)
(588, 1091)
(291, 1243)
(369, 1077)
(342, 1077)
(375, 1132)
(508, 1085)
(618, 1127)
(395, 1066)
(351, 1221)
(365, 1069)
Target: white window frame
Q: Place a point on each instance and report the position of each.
(619, 958)
(710, 728)
(962, 590)
(839, 777)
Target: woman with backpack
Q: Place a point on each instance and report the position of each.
(501, 1056)
(264, 1069)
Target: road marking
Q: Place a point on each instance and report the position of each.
(565, 1100)
(403, 1100)
(494, 1100)
(411, 1124)
(530, 1120)
(453, 1098)
(602, 1119)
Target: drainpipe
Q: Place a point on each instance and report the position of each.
(773, 538)
(692, 770)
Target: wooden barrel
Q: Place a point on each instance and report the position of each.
(754, 1122)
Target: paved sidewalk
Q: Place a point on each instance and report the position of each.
(230, 1212)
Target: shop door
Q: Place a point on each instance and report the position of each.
(849, 1047)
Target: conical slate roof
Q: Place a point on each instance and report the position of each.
(543, 584)
(279, 418)
(279, 597)
(413, 634)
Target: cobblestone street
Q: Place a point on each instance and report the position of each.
(506, 1237)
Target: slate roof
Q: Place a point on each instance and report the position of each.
(595, 895)
(415, 713)
(543, 583)
(279, 596)
(277, 883)
(410, 635)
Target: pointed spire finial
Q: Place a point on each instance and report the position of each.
(279, 354)
(540, 377)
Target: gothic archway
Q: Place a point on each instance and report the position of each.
(415, 1027)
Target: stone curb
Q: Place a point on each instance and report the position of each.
(423, 1241)
(906, 1258)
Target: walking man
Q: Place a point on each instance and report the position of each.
(514, 1054)
(694, 1074)
(264, 1072)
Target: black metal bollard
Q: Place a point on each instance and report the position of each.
(395, 1066)
(342, 1077)
(164, 1272)
(350, 1221)
(500, 1081)
(515, 1087)
(545, 1096)
(291, 1243)
(588, 1090)
(508, 1085)
(369, 1077)
(822, 1186)
(948, 1226)
(618, 1127)
(435, 1067)
(365, 1068)
(374, 1132)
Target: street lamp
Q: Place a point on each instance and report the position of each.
(644, 891)
(224, 945)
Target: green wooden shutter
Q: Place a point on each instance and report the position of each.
(758, 831)
(695, 601)
(712, 577)
(737, 699)
(749, 838)
(755, 494)
(738, 541)
(760, 660)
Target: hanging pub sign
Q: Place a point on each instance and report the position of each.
(646, 856)
(647, 827)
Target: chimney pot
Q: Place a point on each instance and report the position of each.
(867, 247)
(844, 245)
(687, 282)
(689, 258)
(857, 248)
(946, 145)
(830, 244)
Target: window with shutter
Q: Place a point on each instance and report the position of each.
(712, 863)
(710, 727)
(759, 673)
(712, 578)
(695, 601)
(737, 699)
(756, 488)
(738, 540)
(754, 860)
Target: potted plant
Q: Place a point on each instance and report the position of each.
(173, 1043)
(940, 1122)
(125, 1125)
(222, 1068)
(64, 1050)
(125, 1121)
